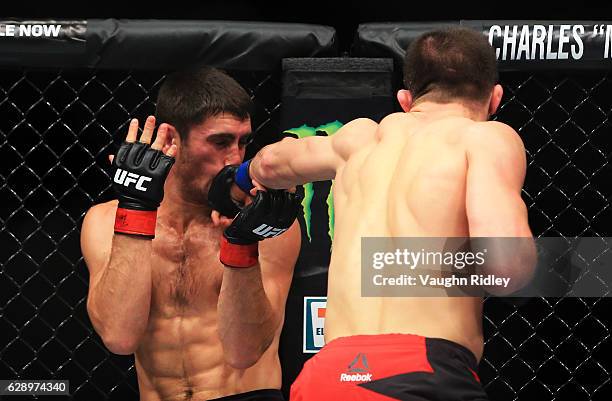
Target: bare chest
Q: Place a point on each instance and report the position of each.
(186, 272)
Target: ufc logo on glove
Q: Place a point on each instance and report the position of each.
(124, 178)
(267, 231)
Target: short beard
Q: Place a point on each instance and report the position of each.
(194, 194)
(191, 191)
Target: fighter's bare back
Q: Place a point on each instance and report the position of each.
(408, 179)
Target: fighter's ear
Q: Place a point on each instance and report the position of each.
(173, 138)
(404, 97)
(496, 96)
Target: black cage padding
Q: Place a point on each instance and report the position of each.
(169, 44)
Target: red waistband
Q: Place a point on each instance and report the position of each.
(378, 339)
(401, 341)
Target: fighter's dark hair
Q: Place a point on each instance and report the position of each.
(450, 64)
(187, 97)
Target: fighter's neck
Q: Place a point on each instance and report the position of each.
(180, 212)
(453, 109)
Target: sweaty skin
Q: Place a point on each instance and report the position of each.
(433, 172)
(189, 320)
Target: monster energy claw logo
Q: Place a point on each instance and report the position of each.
(304, 131)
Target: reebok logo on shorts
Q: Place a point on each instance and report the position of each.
(356, 377)
(357, 370)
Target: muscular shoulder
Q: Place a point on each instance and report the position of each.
(353, 136)
(395, 118)
(494, 135)
(362, 123)
(498, 144)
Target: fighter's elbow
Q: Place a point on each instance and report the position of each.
(114, 340)
(243, 355)
(117, 341)
(242, 359)
(120, 346)
(516, 273)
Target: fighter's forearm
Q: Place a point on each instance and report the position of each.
(120, 301)
(273, 168)
(247, 322)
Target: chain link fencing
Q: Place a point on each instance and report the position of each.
(58, 127)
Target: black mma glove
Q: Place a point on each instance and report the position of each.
(271, 213)
(140, 173)
(219, 197)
